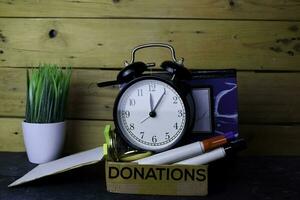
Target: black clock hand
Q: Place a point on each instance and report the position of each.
(159, 100)
(151, 108)
(151, 102)
(145, 119)
(152, 112)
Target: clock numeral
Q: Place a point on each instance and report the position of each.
(140, 92)
(142, 135)
(152, 87)
(180, 113)
(131, 126)
(167, 137)
(175, 100)
(154, 139)
(176, 126)
(131, 102)
(126, 113)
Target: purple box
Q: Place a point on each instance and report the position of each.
(216, 102)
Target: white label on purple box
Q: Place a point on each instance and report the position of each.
(203, 118)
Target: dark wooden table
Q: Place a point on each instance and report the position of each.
(234, 178)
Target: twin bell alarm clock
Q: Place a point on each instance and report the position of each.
(153, 111)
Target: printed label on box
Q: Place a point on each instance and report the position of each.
(156, 179)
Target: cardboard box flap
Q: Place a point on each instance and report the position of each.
(63, 164)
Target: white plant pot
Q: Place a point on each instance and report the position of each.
(43, 142)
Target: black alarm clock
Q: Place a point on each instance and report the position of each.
(153, 111)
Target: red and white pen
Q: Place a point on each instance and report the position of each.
(187, 151)
(215, 154)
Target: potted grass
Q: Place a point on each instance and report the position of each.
(44, 124)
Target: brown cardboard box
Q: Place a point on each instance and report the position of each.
(129, 177)
(179, 180)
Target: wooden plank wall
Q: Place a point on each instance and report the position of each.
(259, 38)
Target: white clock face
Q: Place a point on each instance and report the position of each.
(151, 115)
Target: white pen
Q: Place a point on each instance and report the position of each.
(214, 154)
(186, 151)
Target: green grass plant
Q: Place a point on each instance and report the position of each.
(47, 92)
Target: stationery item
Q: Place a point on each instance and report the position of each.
(61, 165)
(187, 151)
(215, 154)
(153, 111)
(115, 149)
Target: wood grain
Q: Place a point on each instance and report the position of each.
(259, 38)
(210, 9)
(81, 135)
(85, 101)
(272, 140)
(87, 134)
(269, 97)
(263, 97)
(106, 43)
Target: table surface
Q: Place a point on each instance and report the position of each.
(233, 178)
